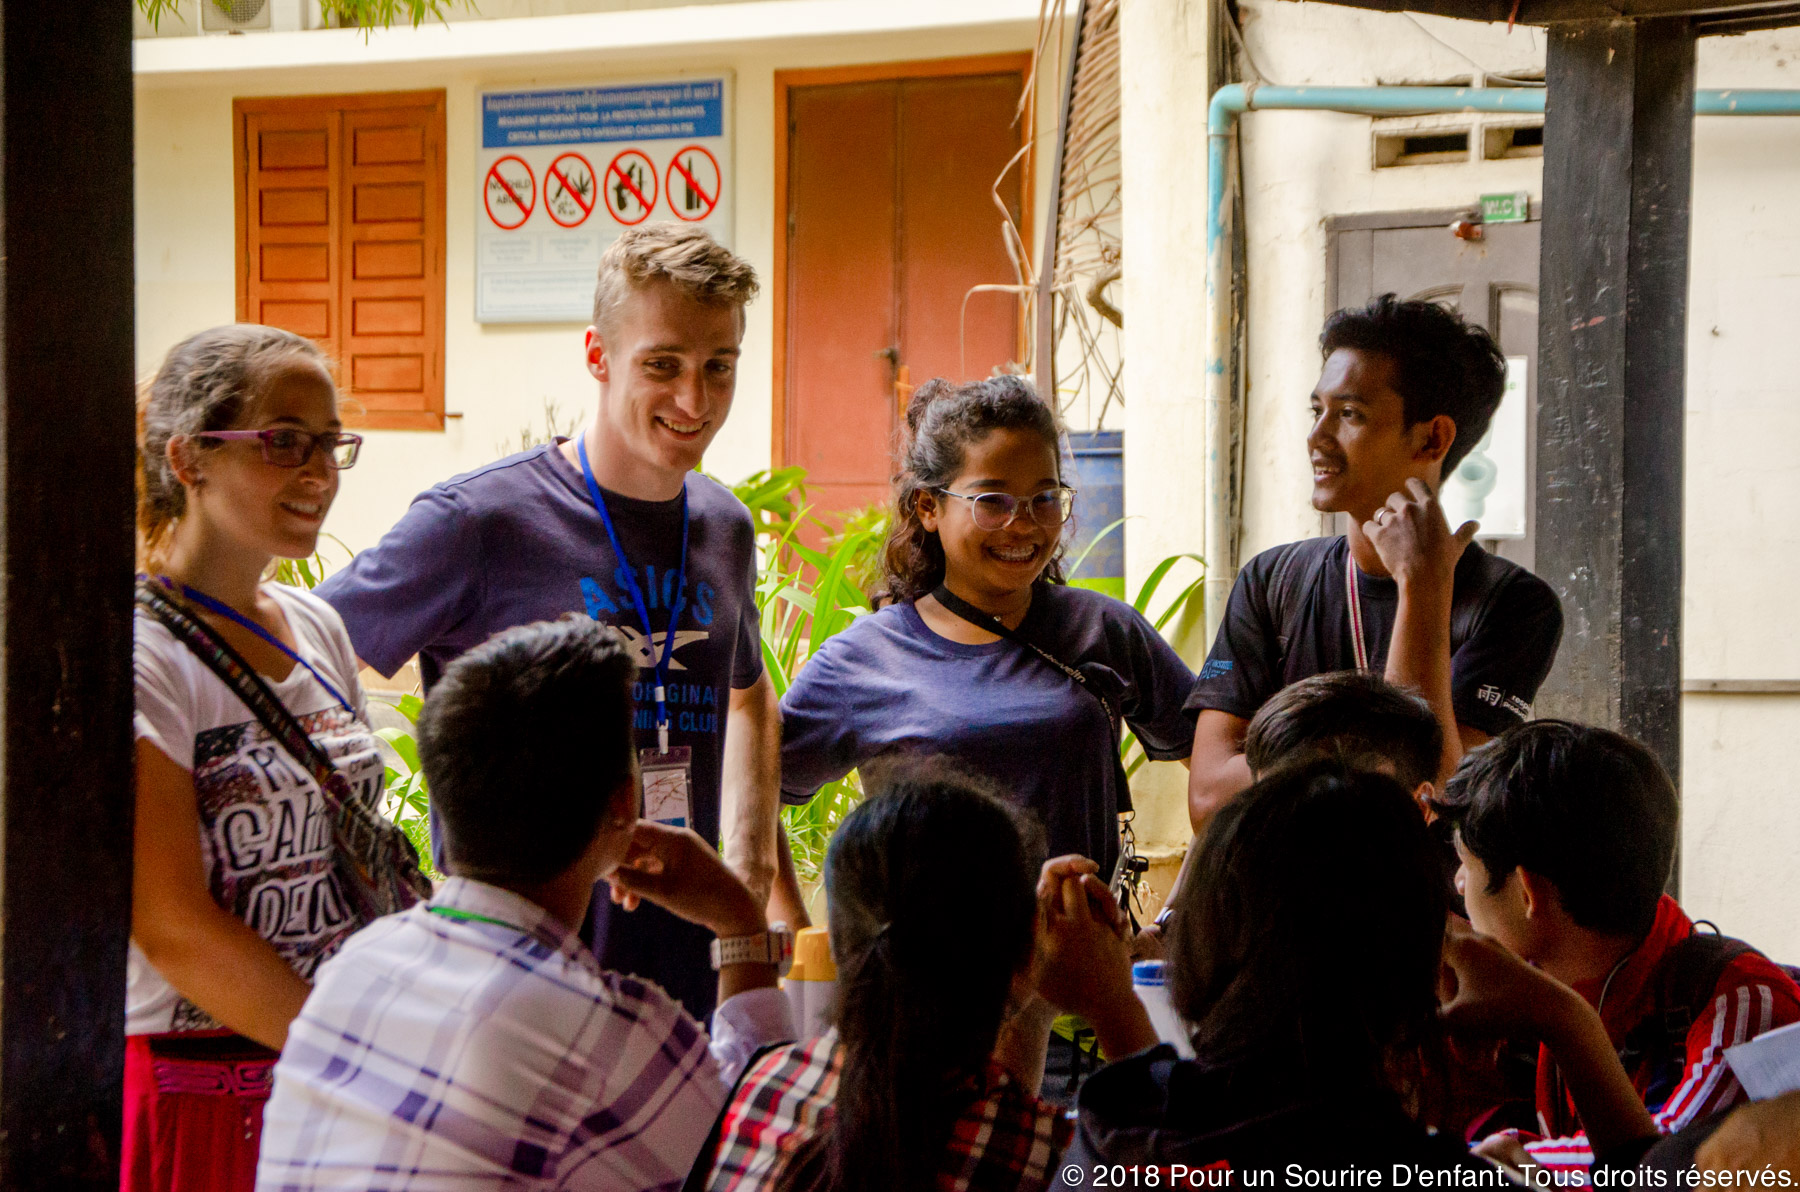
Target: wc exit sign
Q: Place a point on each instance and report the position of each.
(1510, 208)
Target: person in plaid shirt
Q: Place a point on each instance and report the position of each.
(907, 1091)
(474, 1041)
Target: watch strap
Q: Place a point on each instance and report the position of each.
(774, 946)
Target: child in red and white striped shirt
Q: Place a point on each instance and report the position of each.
(1566, 834)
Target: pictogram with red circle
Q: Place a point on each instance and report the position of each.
(630, 187)
(695, 183)
(509, 192)
(569, 190)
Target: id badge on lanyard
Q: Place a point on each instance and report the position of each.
(665, 775)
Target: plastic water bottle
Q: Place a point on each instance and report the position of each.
(811, 983)
(1147, 983)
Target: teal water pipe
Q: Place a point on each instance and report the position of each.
(1231, 101)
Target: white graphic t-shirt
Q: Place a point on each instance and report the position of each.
(265, 830)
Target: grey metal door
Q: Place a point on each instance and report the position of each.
(1492, 281)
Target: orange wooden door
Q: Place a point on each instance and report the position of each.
(393, 234)
(291, 254)
(342, 210)
(890, 222)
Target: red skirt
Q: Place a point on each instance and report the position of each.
(193, 1111)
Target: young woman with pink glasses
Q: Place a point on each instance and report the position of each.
(259, 844)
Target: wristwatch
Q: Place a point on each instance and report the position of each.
(774, 946)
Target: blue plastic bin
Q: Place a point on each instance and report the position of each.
(1099, 482)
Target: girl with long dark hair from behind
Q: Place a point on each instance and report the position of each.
(983, 654)
(904, 1092)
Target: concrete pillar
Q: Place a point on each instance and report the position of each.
(1164, 90)
(1163, 45)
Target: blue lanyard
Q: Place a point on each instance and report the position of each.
(661, 667)
(225, 610)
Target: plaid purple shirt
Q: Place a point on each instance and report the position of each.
(486, 1048)
(1004, 1140)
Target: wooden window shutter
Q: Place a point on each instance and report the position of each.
(341, 211)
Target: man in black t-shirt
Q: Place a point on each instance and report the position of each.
(1407, 390)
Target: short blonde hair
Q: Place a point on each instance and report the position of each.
(681, 255)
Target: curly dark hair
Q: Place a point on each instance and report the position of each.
(1442, 364)
(941, 421)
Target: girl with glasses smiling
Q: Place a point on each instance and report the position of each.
(259, 844)
(982, 652)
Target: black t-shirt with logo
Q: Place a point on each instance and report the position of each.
(1505, 626)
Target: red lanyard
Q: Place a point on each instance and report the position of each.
(1357, 640)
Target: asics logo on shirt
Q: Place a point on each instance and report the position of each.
(658, 590)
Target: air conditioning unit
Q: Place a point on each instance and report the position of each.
(234, 16)
(246, 16)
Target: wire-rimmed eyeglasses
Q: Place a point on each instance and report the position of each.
(996, 511)
(286, 447)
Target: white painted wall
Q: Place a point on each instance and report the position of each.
(1299, 168)
(1741, 837)
(1741, 826)
(497, 376)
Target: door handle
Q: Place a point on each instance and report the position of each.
(891, 355)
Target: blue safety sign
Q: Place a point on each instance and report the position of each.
(660, 111)
(565, 170)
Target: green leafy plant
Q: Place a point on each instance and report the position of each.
(864, 566)
(309, 572)
(806, 595)
(405, 799)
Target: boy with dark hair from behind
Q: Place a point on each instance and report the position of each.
(1355, 715)
(475, 1039)
(1567, 835)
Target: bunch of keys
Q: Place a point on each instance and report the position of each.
(1127, 872)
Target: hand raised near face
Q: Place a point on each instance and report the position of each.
(677, 870)
(1414, 541)
(1485, 991)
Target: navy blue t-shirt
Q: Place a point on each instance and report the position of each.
(888, 684)
(520, 541)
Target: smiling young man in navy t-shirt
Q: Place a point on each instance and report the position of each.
(619, 526)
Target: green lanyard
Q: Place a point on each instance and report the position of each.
(462, 916)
